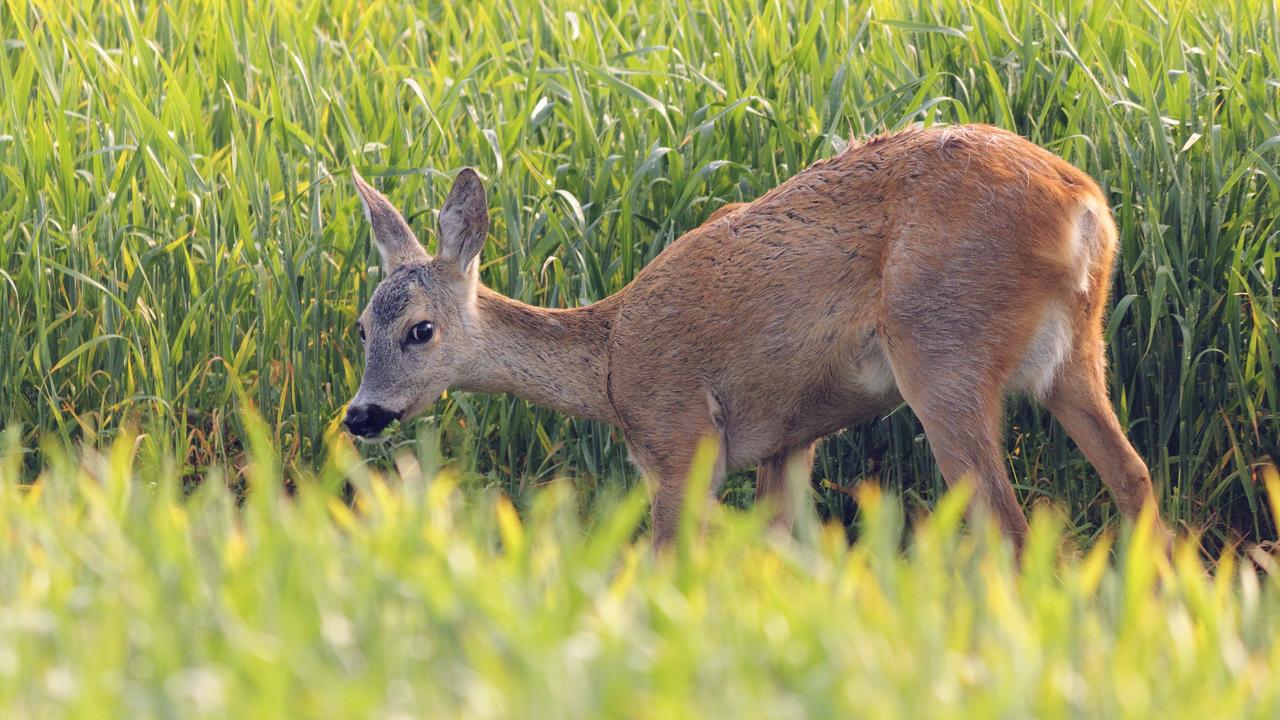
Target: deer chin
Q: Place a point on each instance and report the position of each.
(418, 406)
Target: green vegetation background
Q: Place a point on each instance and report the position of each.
(178, 236)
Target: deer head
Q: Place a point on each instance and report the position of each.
(418, 329)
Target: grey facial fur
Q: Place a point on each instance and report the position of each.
(404, 377)
(392, 297)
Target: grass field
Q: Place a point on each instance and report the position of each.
(181, 248)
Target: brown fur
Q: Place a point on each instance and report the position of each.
(943, 266)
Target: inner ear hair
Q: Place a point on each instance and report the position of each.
(464, 220)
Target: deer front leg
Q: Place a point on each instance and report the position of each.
(664, 447)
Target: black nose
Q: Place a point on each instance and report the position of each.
(368, 420)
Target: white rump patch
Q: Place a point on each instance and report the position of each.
(1045, 355)
(1086, 235)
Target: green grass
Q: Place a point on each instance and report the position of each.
(179, 239)
(120, 599)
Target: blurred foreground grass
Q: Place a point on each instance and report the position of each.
(119, 597)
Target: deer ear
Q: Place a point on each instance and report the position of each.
(391, 234)
(464, 221)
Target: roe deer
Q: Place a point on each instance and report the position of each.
(947, 267)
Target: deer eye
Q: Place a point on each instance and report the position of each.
(421, 333)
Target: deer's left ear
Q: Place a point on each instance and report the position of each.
(464, 221)
(396, 243)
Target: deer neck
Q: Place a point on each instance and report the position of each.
(556, 358)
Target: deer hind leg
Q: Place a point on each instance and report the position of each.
(962, 425)
(1078, 399)
(773, 483)
(953, 358)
